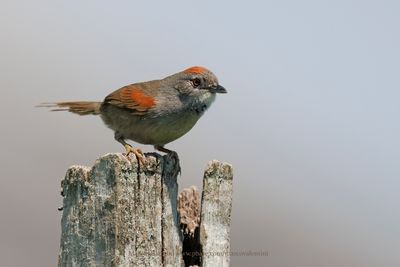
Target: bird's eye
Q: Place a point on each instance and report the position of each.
(196, 82)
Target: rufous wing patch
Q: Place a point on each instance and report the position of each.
(131, 97)
(142, 100)
(196, 70)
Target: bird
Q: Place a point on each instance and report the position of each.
(154, 112)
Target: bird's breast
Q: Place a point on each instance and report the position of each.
(162, 126)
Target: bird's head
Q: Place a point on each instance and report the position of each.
(197, 81)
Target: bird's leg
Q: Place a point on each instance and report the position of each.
(165, 150)
(171, 154)
(129, 149)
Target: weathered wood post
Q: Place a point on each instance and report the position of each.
(119, 214)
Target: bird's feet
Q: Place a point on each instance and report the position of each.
(172, 155)
(138, 153)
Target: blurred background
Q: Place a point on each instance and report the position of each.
(310, 123)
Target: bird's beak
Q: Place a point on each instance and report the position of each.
(217, 89)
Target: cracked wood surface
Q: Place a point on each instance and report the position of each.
(118, 214)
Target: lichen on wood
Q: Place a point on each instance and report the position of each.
(216, 206)
(119, 213)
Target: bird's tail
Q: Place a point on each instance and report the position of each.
(77, 107)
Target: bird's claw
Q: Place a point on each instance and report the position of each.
(174, 156)
(137, 152)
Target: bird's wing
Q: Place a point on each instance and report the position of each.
(135, 97)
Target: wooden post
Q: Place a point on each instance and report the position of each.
(119, 214)
(206, 229)
(216, 206)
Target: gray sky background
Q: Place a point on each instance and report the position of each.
(310, 123)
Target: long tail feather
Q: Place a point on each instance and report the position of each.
(77, 107)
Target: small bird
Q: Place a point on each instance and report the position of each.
(155, 112)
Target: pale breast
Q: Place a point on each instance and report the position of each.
(154, 131)
(161, 126)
